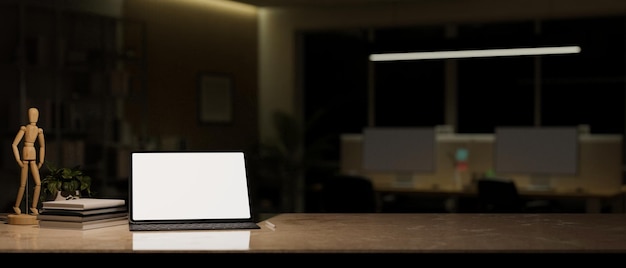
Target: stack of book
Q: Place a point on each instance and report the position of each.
(83, 213)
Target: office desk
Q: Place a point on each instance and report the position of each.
(593, 201)
(345, 234)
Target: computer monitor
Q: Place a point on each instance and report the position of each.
(539, 152)
(402, 151)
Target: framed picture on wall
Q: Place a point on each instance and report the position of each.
(215, 98)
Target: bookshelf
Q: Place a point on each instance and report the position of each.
(81, 70)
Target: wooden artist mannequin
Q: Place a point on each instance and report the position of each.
(31, 133)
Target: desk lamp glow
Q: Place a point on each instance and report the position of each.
(480, 53)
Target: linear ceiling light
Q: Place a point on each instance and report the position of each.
(481, 53)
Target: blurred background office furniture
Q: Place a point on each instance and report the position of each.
(542, 153)
(402, 150)
(348, 194)
(593, 188)
(497, 195)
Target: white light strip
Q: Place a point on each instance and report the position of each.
(475, 53)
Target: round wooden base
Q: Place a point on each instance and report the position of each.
(22, 219)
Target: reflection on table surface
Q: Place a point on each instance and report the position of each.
(191, 240)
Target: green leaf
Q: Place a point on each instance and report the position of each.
(85, 183)
(67, 180)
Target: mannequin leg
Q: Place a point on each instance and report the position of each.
(35, 174)
(20, 191)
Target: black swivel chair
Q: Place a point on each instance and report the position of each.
(348, 194)
(501, 196)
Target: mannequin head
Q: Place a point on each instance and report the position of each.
(33, 115)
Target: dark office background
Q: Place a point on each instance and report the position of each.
(172, 42)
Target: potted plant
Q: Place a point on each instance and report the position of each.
(64, 183)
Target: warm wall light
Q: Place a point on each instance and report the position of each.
(481, 53)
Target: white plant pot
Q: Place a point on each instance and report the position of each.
(60, 197)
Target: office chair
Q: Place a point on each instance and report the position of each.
(348, 194)
(501, 196)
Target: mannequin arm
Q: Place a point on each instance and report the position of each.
(42, 148)
(16, 141)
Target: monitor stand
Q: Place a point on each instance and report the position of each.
(539, 183)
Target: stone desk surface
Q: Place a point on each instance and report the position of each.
(387, 233)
